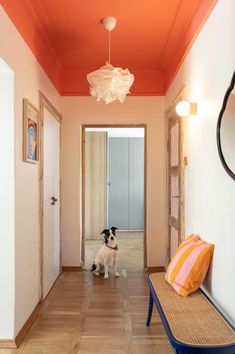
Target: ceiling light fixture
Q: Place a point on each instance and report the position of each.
(185, 108)
(109, 83)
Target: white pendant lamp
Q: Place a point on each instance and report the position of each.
(109, 83)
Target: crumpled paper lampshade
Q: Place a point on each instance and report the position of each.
(109, 83)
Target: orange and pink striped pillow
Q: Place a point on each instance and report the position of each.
(189, 266)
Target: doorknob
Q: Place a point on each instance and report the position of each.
(109, 184)
(53, 200)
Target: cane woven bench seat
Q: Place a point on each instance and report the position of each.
(191, 321)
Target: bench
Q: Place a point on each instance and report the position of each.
(192, 323)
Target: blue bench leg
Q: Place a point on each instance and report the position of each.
(150, 310)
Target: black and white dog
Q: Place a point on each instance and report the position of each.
(107, 254)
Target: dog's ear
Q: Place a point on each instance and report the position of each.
(113, 228)
(106, 235)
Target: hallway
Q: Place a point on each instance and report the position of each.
(48, 105)
(86, 315)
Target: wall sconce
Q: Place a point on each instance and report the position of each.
(185, 108)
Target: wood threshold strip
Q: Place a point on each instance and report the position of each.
(72, 269)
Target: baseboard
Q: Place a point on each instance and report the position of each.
(14, 343)
(72, 269)
(155, 269)
(7, 344)
(24, 330)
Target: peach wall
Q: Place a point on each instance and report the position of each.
(135, 110)
(209, 191)
(29, 78)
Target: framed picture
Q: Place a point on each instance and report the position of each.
(31, 132)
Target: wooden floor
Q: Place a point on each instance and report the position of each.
(90, 315)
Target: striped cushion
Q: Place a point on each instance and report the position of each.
(189, 266)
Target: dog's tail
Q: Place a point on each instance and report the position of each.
(93, 267)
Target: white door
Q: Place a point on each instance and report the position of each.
(51, 201)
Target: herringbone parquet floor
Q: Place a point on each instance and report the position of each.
(84, 314)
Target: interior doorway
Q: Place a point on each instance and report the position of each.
(114, 193)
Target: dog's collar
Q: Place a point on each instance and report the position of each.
(113, 248)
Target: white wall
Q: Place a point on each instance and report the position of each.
(210, 192)
(29, 79)
(135, 110)
(7, 202)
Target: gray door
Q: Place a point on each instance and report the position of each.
(126, 183)
(118, 183)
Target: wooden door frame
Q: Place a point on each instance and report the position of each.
(83, 141)
(182, 162)
(45, 103)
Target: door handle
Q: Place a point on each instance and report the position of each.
(53, 200)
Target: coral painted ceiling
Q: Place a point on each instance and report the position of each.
(68, 39)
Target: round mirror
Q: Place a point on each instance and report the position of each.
(226, 130)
